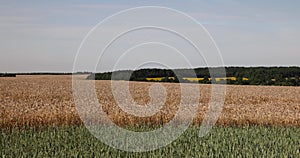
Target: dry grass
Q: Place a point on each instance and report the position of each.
(47, 100)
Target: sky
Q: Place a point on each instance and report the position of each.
(44, 36)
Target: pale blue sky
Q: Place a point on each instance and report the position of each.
(45, 36)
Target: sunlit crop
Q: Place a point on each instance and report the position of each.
(48, 100)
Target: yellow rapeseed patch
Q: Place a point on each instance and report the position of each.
(245, 79)
(154, 79)
(231, 78)
(193, 79)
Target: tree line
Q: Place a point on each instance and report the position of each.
(282, 76)
(42, 73)
(7, 75)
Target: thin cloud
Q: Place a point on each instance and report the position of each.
(100, 6)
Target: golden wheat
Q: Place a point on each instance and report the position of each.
(47, 100)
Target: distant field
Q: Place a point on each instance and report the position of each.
(198, 79)
(47, 100)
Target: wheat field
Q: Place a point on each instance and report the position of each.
(35, 101)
